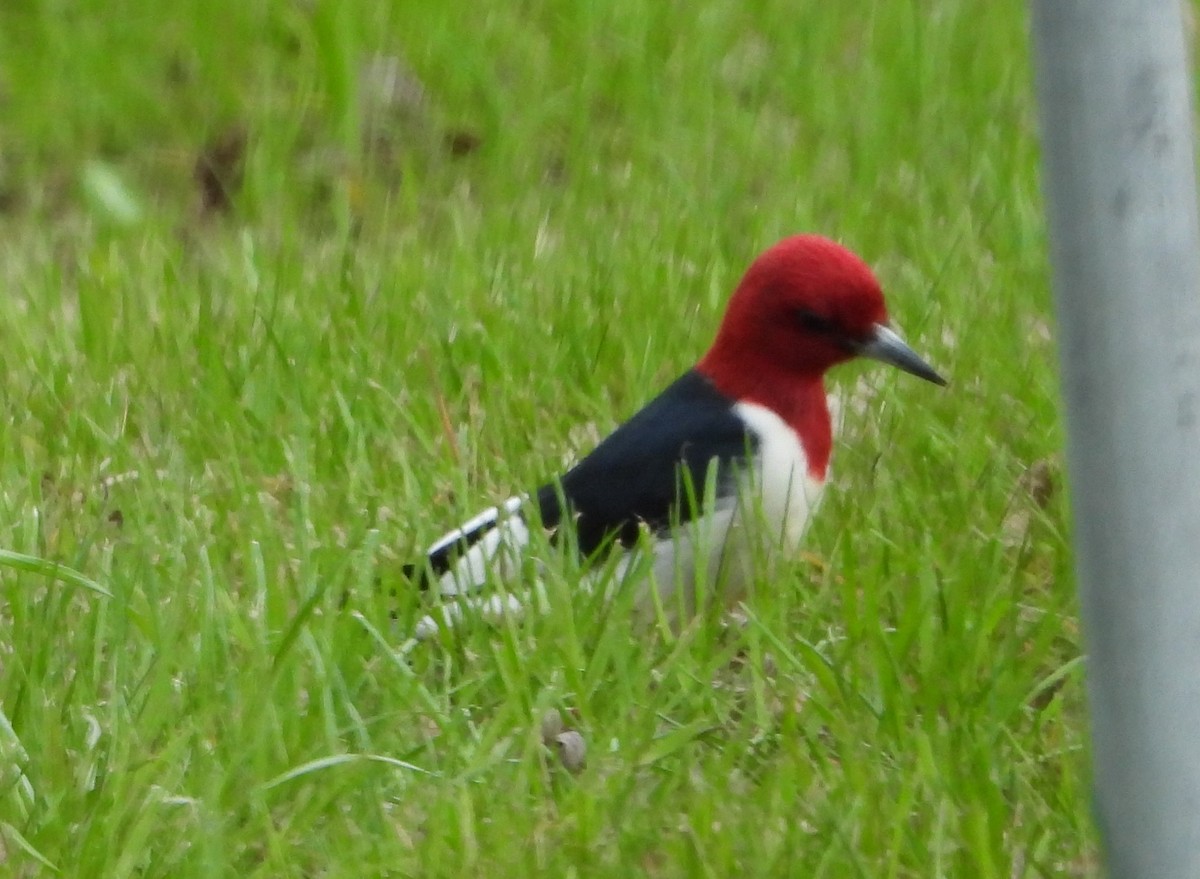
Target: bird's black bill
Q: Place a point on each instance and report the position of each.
(887, 347)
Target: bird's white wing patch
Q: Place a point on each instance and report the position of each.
(484, 520)
(494, 552)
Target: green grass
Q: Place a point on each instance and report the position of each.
(238, 423)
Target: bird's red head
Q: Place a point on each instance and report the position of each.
(803, 306)
(797, 311)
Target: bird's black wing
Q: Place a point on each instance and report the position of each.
(639, 475)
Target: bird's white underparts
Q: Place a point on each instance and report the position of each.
(724, 466)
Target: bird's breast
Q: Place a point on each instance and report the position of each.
(786, 490)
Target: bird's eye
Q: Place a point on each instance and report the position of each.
(813, 322)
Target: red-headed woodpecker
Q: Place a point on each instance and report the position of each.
(740, 441)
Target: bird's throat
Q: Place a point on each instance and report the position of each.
(800, 401)
(805, 408)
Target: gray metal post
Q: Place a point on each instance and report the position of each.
(1113, 83)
